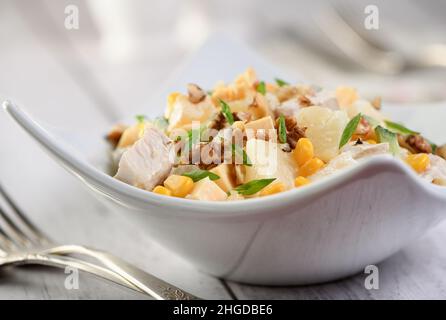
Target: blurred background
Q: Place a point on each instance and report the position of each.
(120, 51)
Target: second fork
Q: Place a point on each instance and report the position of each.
(23, 243)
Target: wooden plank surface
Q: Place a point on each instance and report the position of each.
(62, 80)
(416, 272)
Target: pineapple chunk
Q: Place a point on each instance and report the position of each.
(269, 161)
(324, 129)
(206, 189)
(227, 176)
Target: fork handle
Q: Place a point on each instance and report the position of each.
(63, 262)
(146, 282)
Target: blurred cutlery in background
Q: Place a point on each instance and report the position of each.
(364, 52)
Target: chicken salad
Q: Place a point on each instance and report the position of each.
(252, 138)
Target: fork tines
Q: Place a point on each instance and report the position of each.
(16, 231)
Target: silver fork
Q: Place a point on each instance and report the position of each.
(355, 45)
(21, 242)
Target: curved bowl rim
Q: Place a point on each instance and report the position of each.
(211, 209)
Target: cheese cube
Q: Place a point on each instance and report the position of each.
(206, 189)
(227, 176)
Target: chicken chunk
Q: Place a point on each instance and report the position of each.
(365, 149)
(146, 163)
(349, 156)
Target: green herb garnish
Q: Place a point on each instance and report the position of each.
(281, 82)
(282, 129)
(199, 174)
(261, 87)
(401, 129)
(385, 135)
(226, 111)
(140, 118)
(398, 128)
(237, 150)
(253, 186)
(349, 130)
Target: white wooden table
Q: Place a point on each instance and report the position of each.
(45, 69)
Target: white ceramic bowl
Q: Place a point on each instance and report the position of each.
(325, 231)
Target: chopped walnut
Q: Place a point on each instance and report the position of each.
(218, 122)
(376, 103)
(304, 101)
(441, 151)
(294, 132)
(211, 154)
(242, 116)
(402, 142)
(294, 135)
(290, 123)
(196, 94)
(286, 92)
(418, 144)
(207, 155)
(115, 134)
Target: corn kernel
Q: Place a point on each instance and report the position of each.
(180, 186)
(162, 190)
(419, 162)
(301, 181)
(371, 141)
(311, 167)
(272, 189)
(304, 151)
